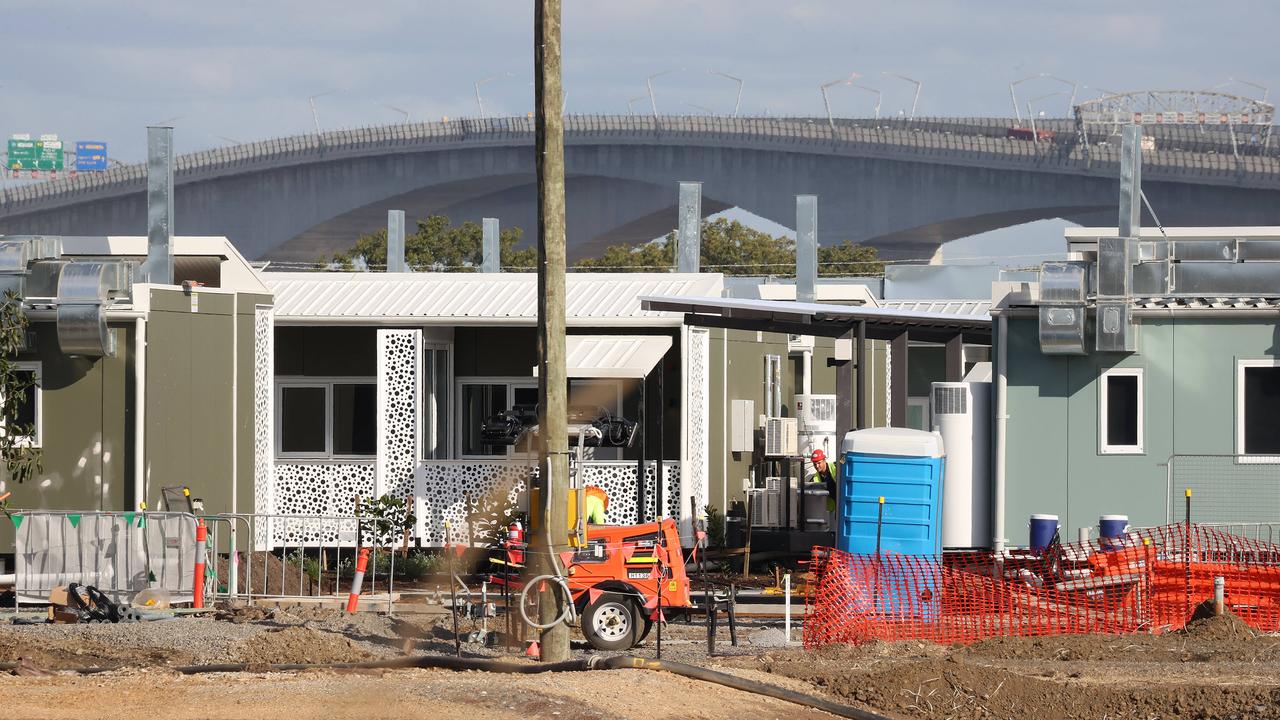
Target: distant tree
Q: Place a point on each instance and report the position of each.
(847, 259)
(440, 246)
(731, 248)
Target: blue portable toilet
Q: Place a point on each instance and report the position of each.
(903, 466)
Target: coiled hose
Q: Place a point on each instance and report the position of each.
(566, 616)
(445, 662)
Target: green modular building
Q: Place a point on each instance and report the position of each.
(1138, 370)
(139, 386)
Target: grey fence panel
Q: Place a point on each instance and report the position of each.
(1225, 489)
(119, 553)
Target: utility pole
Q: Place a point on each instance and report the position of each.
(553, 385)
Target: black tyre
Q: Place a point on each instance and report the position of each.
(609, 623)
(643, 623)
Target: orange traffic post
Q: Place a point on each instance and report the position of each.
(197, 591)
(362, 564)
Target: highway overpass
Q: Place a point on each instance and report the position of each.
(904, 186)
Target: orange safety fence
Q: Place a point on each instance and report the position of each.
(1147, 580)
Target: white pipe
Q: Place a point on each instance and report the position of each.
(140, 410)
(786, 591)
(235, 378)
(1002, 417)
(806, 372)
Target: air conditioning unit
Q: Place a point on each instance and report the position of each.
(962, 415)
(799, 343)
(767, 502)
(816, 413)
(780, 437)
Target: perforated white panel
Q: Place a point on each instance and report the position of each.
(697, 409)
(461, 490)
(263, 418)
(399, 354)
(326, 488)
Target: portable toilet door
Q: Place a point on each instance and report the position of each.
(906, 468)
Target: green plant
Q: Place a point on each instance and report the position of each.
(310, 566)
(715, 527)
(21, 461)
(391, 517)
(420, 564)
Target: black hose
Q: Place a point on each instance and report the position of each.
(592, 663)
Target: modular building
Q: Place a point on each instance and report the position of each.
(1138, 370)
(138, 386)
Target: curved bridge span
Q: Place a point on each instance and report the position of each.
(903, 186)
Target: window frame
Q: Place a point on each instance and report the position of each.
(449, 404)
(37, 395)
(1243, 364)
(1104, 447)
(511, 383)
(327, 383)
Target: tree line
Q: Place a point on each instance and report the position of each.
(728, 247)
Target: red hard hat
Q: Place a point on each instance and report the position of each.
(818, 456)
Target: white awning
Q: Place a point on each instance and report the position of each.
(613, 356)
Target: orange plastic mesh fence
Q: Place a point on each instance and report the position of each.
(1148, 580)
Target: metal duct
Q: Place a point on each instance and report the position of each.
(806, 247)
(1115, 330)
(689, 231)
(1063, 289)
(158, 268)
(395, 242)
(490, 246)
(18, 252)
(83, 290)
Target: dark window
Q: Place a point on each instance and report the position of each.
(479, 403)
(1122, 410)
(1262, 410)
(354, 419)
(302, 419)
(23, 420)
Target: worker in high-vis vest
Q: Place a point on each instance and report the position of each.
(597, 504)
(824, 473)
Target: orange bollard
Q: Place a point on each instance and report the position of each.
(202, 535)
(362, 564)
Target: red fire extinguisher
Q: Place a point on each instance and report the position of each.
(515, 543)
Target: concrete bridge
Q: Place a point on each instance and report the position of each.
(902, 186)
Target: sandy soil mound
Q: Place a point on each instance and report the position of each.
(63, 653)
(300, 645)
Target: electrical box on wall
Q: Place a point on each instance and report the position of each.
(742, 426)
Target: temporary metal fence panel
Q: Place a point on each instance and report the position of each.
(120, 553)
(1225, 489)
(1150, 580)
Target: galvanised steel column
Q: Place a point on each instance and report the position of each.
(158, 267)
(689, 228)
(395, 242)
(490, 247)
(806, 247)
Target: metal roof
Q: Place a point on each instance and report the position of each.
(820, 319)
(613, 356)
(977, 308)
(593, 299)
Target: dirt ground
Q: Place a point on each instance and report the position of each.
(1217, 668)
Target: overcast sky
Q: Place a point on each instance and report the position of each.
(232, 70)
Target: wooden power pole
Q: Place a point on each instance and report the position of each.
(552, 381)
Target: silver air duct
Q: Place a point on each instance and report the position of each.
(17, 253)
(83, 292)
(1064, 287)
(158, 269)
(1114, 329)
(689, 229)
(806, 247)
(490, 246)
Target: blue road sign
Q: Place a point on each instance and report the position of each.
(91, 155)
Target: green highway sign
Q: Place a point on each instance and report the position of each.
(42, 154)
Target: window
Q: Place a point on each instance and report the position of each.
(918, 417)
(482, 398)
(435, 402)
(587, 398)
(28, 415)
(1258, 409)
(327, 418)
(1120, 411)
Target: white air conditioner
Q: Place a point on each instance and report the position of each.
(816, 413)
(767, 502)
(962, 415)
(780, 437)
(799, 343)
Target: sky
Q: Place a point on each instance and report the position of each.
(241, 71)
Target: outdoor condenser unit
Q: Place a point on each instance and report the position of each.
(962, 415)
(816, 413)
(767, 502)
(780, 437)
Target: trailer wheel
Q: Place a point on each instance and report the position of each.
(608, 623)
(643, 623)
